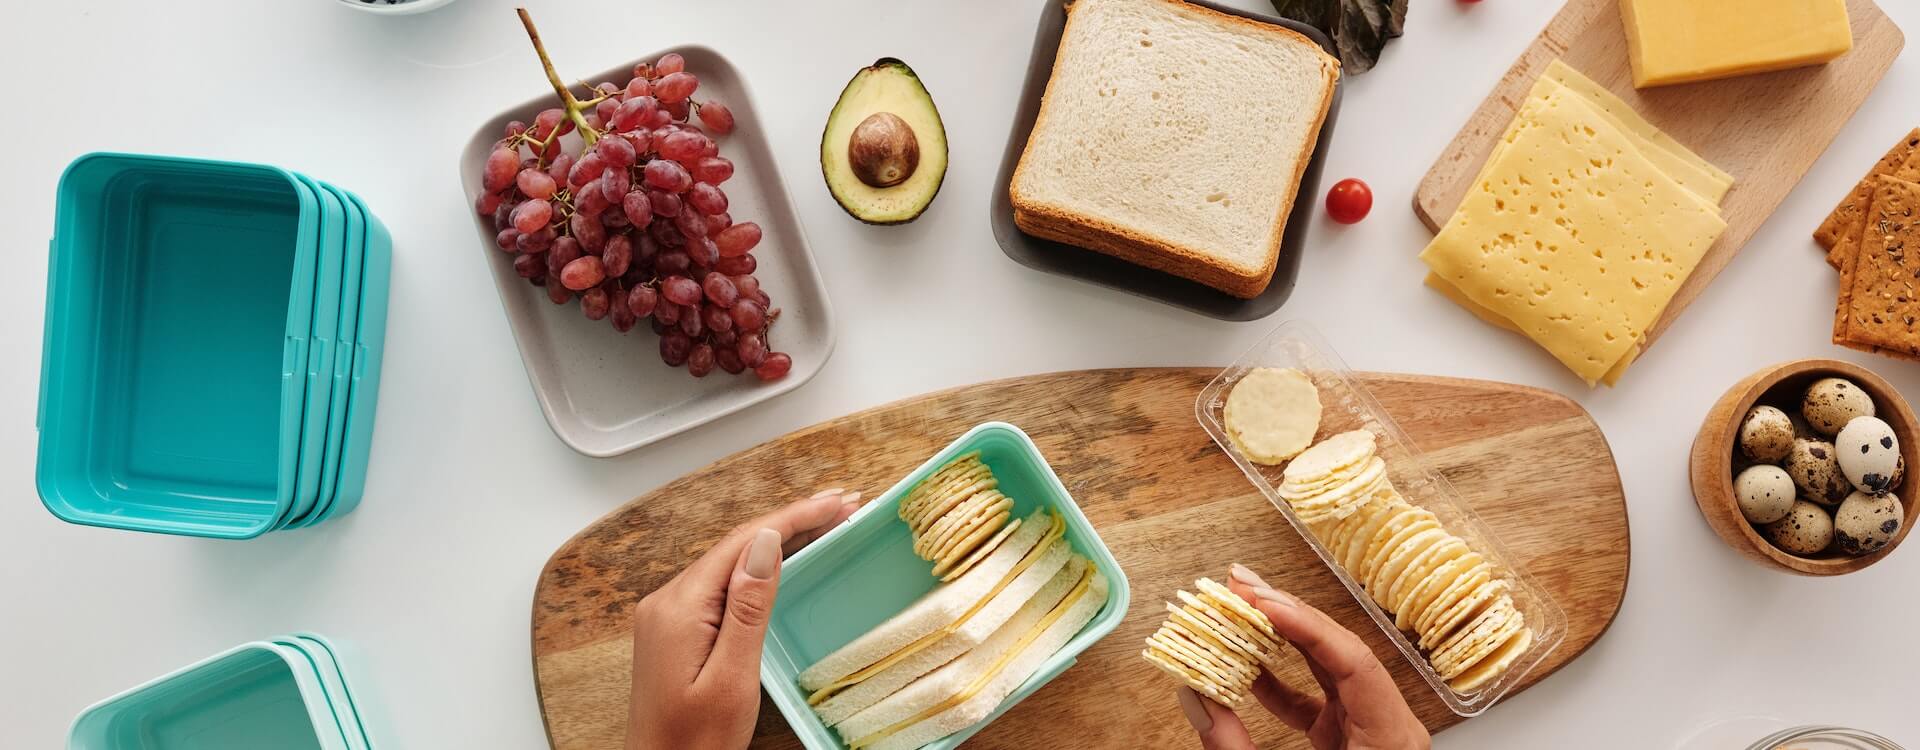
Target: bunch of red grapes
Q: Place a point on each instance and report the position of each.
(635, 225)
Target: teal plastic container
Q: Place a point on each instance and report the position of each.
(180, 300)
(369, 347)
(257, 695)
(864, 572)
(329, 269)
(345, 725)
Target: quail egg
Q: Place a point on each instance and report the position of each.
(1831, 403)
(1865, 523)
(1806, 530)
(1816, 471)
(1766, 434)
(1869, 454)
(1765, 493)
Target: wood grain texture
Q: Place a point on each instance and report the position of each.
(1711, 465)
(1766, 130)
(1169, 504)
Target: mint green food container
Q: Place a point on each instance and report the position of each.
(864, 572)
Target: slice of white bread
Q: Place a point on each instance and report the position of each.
(935, 610)
(1174, 137)
(1047, 581)
(1005, 660)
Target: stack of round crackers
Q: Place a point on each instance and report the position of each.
(1331, 480)
(957, 515)
(1434, 584)
(1214, 642)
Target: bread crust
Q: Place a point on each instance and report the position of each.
(1095, 233)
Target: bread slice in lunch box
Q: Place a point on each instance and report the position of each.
(1174, 137)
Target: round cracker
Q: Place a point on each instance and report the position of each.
(1363, 536)
(1428, 590)
(1394, 531)
(1486, 633)
(981, 552)
(939, 477)
(1192, 679)
(980, 511)
(1454, 620)
(1233, 675)
(952, 521)
(1329, 457)
(1212, 645)
(1201, 623)
(1236, 605)
(1369, 512)
(1272, 414)
(1265, 650)
(1412, 542)
(1494, 664)
(1400, 589)
(919, 512)
(1355, 483)
(1462, 587)
(972, 542)
(943, 503)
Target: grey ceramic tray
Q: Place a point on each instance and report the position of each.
(1113, 273)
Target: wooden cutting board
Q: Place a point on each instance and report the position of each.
(1766, 130)
(1169, 504)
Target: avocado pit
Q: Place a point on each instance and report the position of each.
(883, 150)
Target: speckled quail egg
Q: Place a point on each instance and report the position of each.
(1806, 530)
(1765, 493)
(1831, 403)
(1869, 454)
(1865, 523)
(1766, 434)
(1816, 471)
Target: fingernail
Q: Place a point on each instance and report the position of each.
(763, 556)
(1196, 713)
(1246, 575)
(1275, 595)
(824, 493)
(851, 498)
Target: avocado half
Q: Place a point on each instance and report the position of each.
(884, 152)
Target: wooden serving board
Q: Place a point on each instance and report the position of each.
(1170, 505)
(1766, 130)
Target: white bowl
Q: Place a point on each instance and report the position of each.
(401, 8)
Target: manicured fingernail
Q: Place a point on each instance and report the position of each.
(1275, 595)
(763, 556)
(1245, 575)
(824, 493)
(1196, 713)
(851, 498)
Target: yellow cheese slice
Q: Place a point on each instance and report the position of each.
(1460, 298)
(1695, 173)
(1681, 41)
(986, 676)
(1573, 235)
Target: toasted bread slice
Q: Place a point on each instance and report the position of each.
(1174, 137)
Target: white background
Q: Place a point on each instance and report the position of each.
(470, 492)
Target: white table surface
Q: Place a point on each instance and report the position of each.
(469, 491)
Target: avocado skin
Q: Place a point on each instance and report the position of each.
(830, 152)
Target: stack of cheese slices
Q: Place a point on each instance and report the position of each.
(1014, 593)
(1581, 227)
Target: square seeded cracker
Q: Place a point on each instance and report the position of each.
(1881, 294)
(1846, 216)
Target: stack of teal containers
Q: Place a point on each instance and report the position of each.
(287, 693)
(213, 337)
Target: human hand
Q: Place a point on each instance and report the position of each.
(696, 640)
(1362, 708)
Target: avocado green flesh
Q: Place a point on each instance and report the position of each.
(888, 86)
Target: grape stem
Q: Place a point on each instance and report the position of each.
(572, 106)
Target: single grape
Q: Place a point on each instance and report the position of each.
(775, 368)
(532, 216)
(641, 300)
(587, 169)
(552, 150)
(749, 315)
(707, 198)
(680, 290)
(677, 111)
(528, 266)
(691, 223)
(639, 86)
(641, 139)
(749, 286)
(606, 109)
(605, 88)
(668, 313)
(590, 202)
(583, 273)
(557, 293)
(615, 221)
(715, 318)
(713, 170)
(683, 146)
(658, 327)
(634, 113)
(673, 262)
(644, 248)
(643, 70)
(728, 360)
(559, 167)
(503, 216)
(617, 152)
(737, 265)
(669, 237)
(538, 242)
(726, 338)
(618, 255)
(668, 175)
(614, 184)
(709, 149)
(515, 128)
(565, 250)
(547, 121)
(508, 239)
(720, 290)
(703, 252)
(665, 204)
(487, 203)
(638, 208)
(659, 119)
(623, 318)
(700, 361)
(738, 239)
(592, 237)
(716, 116)
(536, 183)
(691, 324)
(717, 222)
(669, 63)
(500, 168)
(675, 347)
(540, 280)
(593, 302)
(529, 163)
(752, 348)
(595, 121)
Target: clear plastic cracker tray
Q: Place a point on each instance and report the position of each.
(1347, 405)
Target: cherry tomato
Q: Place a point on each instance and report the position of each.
(1349, 201)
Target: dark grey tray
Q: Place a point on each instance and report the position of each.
(1113, 273)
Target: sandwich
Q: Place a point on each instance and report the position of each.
(1174, 137)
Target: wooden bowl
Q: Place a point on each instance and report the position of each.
(1782, 384)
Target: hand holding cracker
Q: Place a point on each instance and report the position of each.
(1360, 707)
